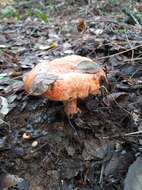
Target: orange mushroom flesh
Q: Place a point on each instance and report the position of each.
(65, 79)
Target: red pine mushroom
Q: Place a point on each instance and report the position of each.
(65, 79)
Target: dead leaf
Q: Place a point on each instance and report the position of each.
(139, 7)
(117, 97)
(89, 67)
(9, 181)
(70, 168)
(133, 180)
(81, 27)
(94, 149)
(3, 3)
(3, 106)
(10, 57)
(118, 165)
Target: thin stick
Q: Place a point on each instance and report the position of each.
(119, 53)
(116, 101)
(125, 135)
(101, 174)
(71, 125)
(133, 133)
(134, 59)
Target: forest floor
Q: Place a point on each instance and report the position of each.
(39, 150)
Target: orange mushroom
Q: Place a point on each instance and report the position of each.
(65, 79)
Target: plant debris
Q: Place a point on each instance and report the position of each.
(100, 148)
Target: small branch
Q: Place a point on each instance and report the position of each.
(119, 53)
(133, 133)
(102, 173)
(134, 59)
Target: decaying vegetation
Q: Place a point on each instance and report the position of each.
(100, 148)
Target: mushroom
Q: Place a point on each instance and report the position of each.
(65, 79)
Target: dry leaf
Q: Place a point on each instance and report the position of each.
(3, 3)
(139, 7)
(133, 179)
(3, 106)
(81, 27)
(117, 97)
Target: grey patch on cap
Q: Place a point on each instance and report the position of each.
(41, 83)
(89, 67)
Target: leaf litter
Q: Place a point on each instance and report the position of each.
(109, 127)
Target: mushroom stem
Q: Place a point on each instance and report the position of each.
(70, 107)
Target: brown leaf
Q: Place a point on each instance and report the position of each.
(81, 27)
(10, 57)
(3, 3)
(139, 7)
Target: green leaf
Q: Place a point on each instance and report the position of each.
(53, 45)
(41, 15)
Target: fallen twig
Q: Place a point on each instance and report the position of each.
(134, 59)
(133, 133)
(119, 53)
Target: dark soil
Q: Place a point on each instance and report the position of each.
(92, 151)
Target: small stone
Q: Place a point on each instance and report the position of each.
(98, 31)
(34, 144)
(26, 136)
(70, 150)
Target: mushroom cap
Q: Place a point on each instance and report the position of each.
(65, 78)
